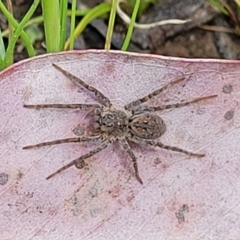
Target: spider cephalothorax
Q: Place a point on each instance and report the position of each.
(132, 123)
(114, 123)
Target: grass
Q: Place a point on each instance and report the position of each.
(54, 20)
(54, 23)
(232, 11)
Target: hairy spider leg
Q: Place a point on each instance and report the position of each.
(65, 140)
(128, 149)
(79, 106)
(175, 149)
(172, 148)
(137, 102)
(79, 162)
(174, 105)
(105, 100)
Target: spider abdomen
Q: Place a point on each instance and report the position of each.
(147, 126)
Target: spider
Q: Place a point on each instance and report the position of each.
(132, 123)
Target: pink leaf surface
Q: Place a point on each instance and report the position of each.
(181, 197)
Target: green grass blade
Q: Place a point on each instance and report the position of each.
(95, 12)
(131, 26)
(26, 40)
(39, 19)
(111, 24)
(63, 21)
(10, 48)
(73, 16)
(2, 49)
(51, 17)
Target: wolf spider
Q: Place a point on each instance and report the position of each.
(132, 123)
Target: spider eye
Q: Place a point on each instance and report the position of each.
(108, 120)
